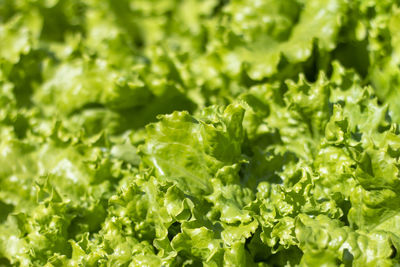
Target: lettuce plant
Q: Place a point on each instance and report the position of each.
(199, 133)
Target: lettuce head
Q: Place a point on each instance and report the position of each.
(200, 133)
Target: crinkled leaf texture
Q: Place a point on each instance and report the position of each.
(200, 133)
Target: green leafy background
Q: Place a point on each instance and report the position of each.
(199, 133)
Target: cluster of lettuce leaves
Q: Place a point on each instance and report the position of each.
(199, 133)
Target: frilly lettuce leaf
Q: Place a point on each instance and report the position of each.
(192, 151)
(326, 241)
(287, 36)
(385, 47)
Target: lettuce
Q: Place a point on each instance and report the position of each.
(199, 133)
